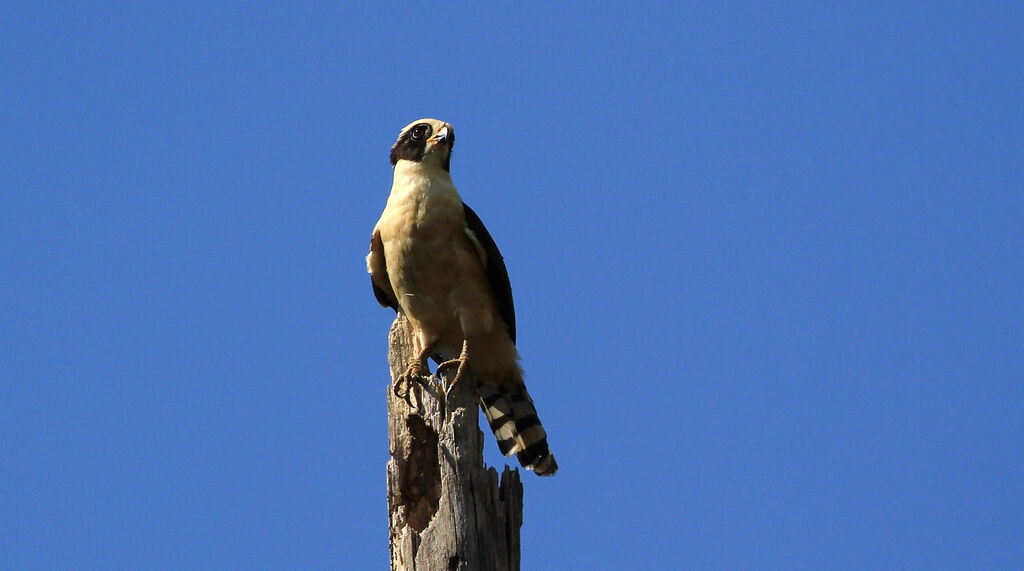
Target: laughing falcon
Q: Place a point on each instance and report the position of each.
(432, 260)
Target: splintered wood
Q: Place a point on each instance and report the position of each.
(447, 511)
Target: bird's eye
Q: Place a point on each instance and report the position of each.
(420, 131)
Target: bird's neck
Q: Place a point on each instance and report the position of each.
(421, 177)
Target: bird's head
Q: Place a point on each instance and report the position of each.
(427, 141)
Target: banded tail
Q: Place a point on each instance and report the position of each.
(515, 424)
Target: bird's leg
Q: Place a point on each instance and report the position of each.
(459, 363)
(416, 371)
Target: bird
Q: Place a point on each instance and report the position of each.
(432, 259)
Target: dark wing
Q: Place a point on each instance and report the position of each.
(379, 273)
(497, 275)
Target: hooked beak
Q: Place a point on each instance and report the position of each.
(440, 136)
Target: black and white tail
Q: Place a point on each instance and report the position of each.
(515, 424)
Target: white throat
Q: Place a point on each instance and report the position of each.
(421, 177)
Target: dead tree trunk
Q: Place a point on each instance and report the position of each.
(447, 511)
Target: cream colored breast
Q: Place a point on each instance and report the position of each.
(423, 204)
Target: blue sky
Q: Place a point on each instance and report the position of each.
(767, 266)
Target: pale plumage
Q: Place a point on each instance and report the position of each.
(432, 259)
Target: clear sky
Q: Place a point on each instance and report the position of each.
(767, 264)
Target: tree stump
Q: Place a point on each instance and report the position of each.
(447, 510)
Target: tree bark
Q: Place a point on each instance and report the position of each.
(447, 510)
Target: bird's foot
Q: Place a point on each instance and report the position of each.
(459, 365)
(405, 384)
(446, 367)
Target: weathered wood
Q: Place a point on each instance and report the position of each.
(447, 510)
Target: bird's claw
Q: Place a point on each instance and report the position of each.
(403, 386)
(445, 368)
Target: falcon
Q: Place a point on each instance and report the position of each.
(432, 260)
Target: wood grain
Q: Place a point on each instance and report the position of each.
(447, 510)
